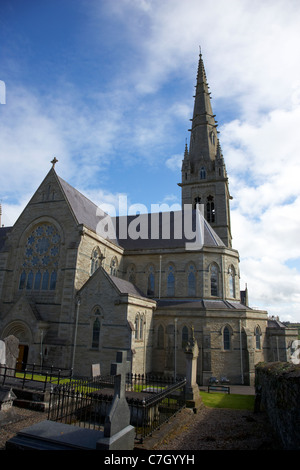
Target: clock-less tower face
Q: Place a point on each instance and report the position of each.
(204, 178)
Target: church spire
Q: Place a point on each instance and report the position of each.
(204, 178)
(204, 127)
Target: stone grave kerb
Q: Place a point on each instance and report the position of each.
(119, 415)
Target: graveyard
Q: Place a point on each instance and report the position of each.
(99, 412)
(124, 411)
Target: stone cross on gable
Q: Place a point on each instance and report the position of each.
(54, 161)
(119, 414)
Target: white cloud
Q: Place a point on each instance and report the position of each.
(250, 53)
(175, 162)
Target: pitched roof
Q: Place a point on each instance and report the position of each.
(164, 230)
(126, 287)
(83, 208)
(201, 304)
(157, 230)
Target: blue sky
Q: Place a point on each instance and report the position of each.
(106, 86)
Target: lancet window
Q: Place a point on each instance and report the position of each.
(139, 327)
(214, 280)
(192, 281)
(171, 281)
(114, 267)
(226, 338)
(95, 260)
(96, 319)
(151, 282)
(231, 279)
(210, 209)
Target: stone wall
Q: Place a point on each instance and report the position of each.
(278, 389)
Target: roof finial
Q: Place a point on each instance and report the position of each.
(54, 161)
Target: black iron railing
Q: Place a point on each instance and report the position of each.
(152, 401)
(33, 376)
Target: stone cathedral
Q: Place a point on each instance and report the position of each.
(73, 296)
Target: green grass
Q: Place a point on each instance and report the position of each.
(223, 400)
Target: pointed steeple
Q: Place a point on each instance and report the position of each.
(204, 127)
(204, 176)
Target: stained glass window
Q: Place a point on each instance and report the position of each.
(171, 282)
(192, 281)
(226, 338)
(41, 255)
(214, 280)
(114, 267)
(96, 334)
(151, 282)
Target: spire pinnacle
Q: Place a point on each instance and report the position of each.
(186, 150)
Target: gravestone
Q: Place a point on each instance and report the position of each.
(12, 353)
(2, 357)
(192, 395)
(118, 433)
(7, 398)
(95, 370)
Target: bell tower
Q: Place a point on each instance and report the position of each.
(204, 177)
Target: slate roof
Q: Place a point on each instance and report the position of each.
(126, 287)
(275, 323)
(201, 304)
(160, 230)
(155, 226)
(83, 208)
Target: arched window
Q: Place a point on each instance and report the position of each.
(210, 209)
(96, 334)
(151, 282)
(45, 282)
(139, 327)
(41, 256)
(22, 280)
(192, 281)
(37, 280)
(231, 280)
(184, 336)
(202, 173)
(114, 267)
(53, 280)
(214, 280)
(160, 337)
(171, 282)
(257, 338)
(131, 274)
(95, 260)
(197, 200)
(29, 284)
(226, 338)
